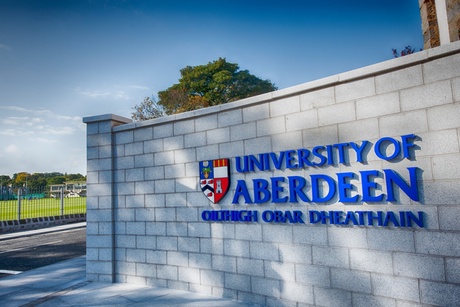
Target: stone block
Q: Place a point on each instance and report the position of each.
(404, 123)
(438, 243)
(302, 120)
(135, 174)
(449, 217)
(184, 155)
(124, 162)
(177, 258)
(237, 282)
(229, 118)
(223, 263)
(189, 244)
(444, 117)
(277, 233)
(441, 69)
(399, 79)
(347, 237)
(206, 123)
(296, 292)
(236, 248)
(310, 235)
(365, 129)
(243, 131)
(285, 106)
(332, 297)
(265, 286)
(135, 228)
(167, 243)
(163, 131)
(156, 256)
(355, 90)
(201, 261)
(184, 127)
(332, 257)
(371, 261)
(195, 139)
(419, 266)
(396, 287)
(167, 272)
(143, 160)
(217, 136)
(165, 186)
(212, 278)
(143, 134)
(255, 113)
(313, 275)
(135, 255)
(377, 106)
(189, 275)
(250, 232)
(280, 270)
(264, 251)
(317, 99)
(271, 126)
(337, 114)
(429, 95)
(365, 300)
(351, 280)
(391, 240)
(295, 253)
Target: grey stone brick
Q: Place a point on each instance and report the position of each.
(329, 256)
(177, 258)
(212, 278)
(167, 272)
(400, 79)
(243, 131)
(232, 149)
(295, 253)
(332, 297)
(264, 251)
(296, 292)
(143, 134)
(337, 114)
(184, 127)
(176, 229)
(285, 106)
(379, 105)
(440, 294)
(237, 282)
(317, 99)
(132, 149)
(229, 118)
(355, 90)
(267, 287)
(351, 280)
(255, 113)
(202, 261)
(371, 261)
(195, 139)
(165, 186)
(396, 287)
(189, 275)
(441, 69)
(302, 120)
(236, 248)
(135, 255)
(366, 300)
(185, 155)
(206, 123)
(453, 270)
(429, 95)
(162, 131)
(217, 136)
(224, 263)
(391, 240)
(438, 243)
(419, 266)
(155, 228)
(277, 233)
(251, 232)
(271, 126)
(313, 275)
(167, 243)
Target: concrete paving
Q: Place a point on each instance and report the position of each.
(65, 284)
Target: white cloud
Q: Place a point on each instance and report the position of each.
(139, 87)
(11, 149)
(5, 47)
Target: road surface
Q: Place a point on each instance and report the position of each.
(34, 251)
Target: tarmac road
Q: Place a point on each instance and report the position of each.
(35, 249)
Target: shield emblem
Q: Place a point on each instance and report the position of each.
(215, 178)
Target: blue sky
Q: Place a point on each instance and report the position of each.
(63, 60)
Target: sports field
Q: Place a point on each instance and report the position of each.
(42, 207)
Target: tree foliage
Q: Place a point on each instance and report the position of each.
(201, 86)
(148, 109)
(38, 180)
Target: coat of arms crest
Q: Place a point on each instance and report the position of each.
(215, 178)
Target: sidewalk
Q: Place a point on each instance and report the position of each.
(64, 284)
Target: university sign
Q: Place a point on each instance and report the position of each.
(342, 188)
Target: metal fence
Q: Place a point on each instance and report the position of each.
(23, 203)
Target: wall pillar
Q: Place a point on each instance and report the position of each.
(100, 234)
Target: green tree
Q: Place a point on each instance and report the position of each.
(201, 86)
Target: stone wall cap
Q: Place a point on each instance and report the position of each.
(106, 117)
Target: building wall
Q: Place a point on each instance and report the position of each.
(145, 205)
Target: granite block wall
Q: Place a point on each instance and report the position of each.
(146, 211)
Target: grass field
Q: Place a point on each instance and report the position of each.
(41, 207)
